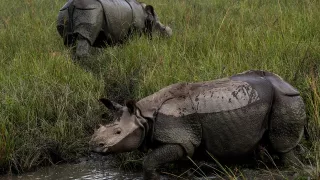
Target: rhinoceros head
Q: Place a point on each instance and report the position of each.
(152, 23)
(124, 134)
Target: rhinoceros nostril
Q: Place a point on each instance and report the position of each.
(101, 144)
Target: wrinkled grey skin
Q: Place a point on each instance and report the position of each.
(87, 23)
(227, 117)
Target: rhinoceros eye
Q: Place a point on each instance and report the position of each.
(117, 131)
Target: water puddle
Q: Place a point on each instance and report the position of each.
(85, 170)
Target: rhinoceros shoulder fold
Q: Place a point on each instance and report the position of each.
(152, 103)
(66, 5)
(183, 131)
(119, 18)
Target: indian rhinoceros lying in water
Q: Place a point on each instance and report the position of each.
(227, 117)
(86, 23)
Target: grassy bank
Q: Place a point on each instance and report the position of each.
(48, 103)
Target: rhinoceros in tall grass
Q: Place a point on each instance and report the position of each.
(227, 117)
(86, 23)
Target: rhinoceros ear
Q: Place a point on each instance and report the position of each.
(132, 107)
(110, 105)
(150, 20)
(149, 9)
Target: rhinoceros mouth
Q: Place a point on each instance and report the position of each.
(100, 149)
(102, 153)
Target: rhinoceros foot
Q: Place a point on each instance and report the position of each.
(289, 159)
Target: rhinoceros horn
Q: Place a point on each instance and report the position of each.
(110, 104)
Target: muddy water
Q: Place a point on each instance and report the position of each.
(75, 172)
(93, 171)
(85, 170)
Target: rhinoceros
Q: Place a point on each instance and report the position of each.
(227, 118)
(87, 23)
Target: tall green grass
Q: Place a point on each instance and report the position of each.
(48, 103)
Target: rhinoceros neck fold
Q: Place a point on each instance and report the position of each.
(131, 11)
(69, 37)
(147, 139)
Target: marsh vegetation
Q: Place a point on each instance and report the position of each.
(48, 102)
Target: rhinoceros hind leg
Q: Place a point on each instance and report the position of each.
(287, 120)
(82, 48)
(161, 155)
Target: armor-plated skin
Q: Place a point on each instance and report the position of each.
(88, 23)
(227, 117)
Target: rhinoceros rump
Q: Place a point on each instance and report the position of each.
(227, 117)
(86, 23)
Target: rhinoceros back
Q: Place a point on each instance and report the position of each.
(210, 97)
(277, 82)
(281, 85)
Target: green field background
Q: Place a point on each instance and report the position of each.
(48, 102)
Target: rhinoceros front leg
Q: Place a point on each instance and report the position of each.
(161, 155)
(82, 47)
